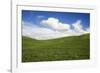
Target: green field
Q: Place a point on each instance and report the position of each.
(67, 48)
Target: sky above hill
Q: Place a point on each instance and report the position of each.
(49, 24)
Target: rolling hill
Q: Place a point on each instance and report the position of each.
(66, 48)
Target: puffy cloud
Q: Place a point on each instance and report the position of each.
(43, 33)
(78, 26)
(55, 24)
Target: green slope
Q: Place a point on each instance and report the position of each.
(67, 48)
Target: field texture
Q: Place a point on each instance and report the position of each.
(67, 48)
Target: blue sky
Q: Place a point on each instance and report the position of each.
(65, 17)
(47, 24)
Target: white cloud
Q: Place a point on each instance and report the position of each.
(78, 26)
(55, 24)
(88, 30)
(40, 16)
(43, 33)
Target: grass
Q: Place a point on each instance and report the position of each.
(67, 48)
